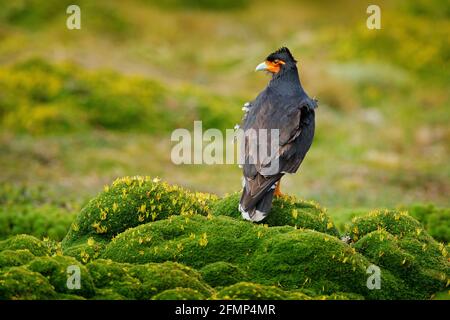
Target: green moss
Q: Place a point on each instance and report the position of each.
(396, 223)
(55, 269)
(63, 296)
(179, 294)
(397, 243)
(436, 220)
(254, 291)
(159, 277)
(23, 241)
(129, 202)
(286, 210)
(39, 221)
(107, 294)
(13, 258)
(279, 255)
(42, 98)
(222, 274)
(19, 283)
(88, 250)
(112, 276)
(145, 281)
(251, 291)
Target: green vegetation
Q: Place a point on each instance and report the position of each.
(158, 258)
(285, 211)
(40, 98)
(128, 203)
(222, 274)
(25, 242)
(436, 220)
(399, 243)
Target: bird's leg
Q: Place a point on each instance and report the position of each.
(277, 191)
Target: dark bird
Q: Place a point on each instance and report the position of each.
(285, 106)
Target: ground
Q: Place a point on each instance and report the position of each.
(142, 238)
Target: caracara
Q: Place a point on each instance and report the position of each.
(285, 106)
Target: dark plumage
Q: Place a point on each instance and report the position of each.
(285, 106)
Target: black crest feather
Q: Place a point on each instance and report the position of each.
(280, 53)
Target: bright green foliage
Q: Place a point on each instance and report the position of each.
(45, 221)
(398, 243)
(87, 250)
(179, 294)
(156, 278)
(396, 223)
(23, 241)
(222, 274)
(109, 275)
(286, 210)
(251, 291)
(129, 202)
(42, 98)
(12, 258)
(55, 269)
(19, 283)
(145, 281)
(108, 294)
(143, 239)
(435, 220)
(279, 255)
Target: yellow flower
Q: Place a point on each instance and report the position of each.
(91, 241)
(142, 208)
(203, 240)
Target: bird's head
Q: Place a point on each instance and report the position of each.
(277, 61)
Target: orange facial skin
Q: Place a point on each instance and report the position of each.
(274, 66)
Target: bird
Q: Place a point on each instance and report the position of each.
(282, 105)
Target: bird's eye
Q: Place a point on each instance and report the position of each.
(278, 61)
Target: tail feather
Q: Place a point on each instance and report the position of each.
(256, 205)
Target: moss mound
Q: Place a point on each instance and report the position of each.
(396, 242)
(55, 270)
(286, 211)
(113, 278)
(435, 220)
(14, 258)
(272, 256)
(144, 281)
(19, 283)
(222, 274)
(23, 241)
(251, 291)
(179, 294)
(38, 221)
(144, 239)
(127, 203)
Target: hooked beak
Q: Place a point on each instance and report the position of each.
(261, 67)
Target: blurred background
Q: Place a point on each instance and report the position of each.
(79, 108)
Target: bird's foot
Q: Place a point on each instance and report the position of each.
(277, 192)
